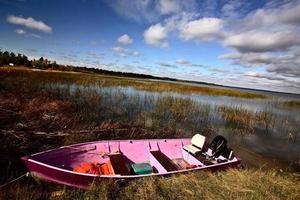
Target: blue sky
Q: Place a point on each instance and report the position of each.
(240, 43)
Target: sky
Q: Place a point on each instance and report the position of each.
(242, 43)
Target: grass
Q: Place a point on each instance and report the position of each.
(244, 121)
(93, 107)
(90, 106)
(90, 79)
(290, 104)
(231, 184)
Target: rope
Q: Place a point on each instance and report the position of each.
(14, 180)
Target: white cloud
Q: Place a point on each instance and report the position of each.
(136, 53)
(137, 10)
(165, 64)
(258, 41)
(20, 31)
(287, 64)
(204, 29)
(29, 23)
(150, 10)
(264, 76)
(23, 32)
(34, 35)
(286, 14)
(252, 74)
(248, 59)
(156, 35)
(268, 39)
(232, 9)
(122, 52)
(124, 39)
(168, 6)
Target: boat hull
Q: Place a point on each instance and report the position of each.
(82, 180)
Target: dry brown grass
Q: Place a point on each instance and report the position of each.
(231, 184)
(244, 121)
(29, 104)
(99, 80)
(291, 104)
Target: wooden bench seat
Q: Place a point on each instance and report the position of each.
(119, 165)
(166, 162)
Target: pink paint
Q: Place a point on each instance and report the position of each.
(56, 165)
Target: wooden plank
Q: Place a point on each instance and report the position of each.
(119, 164)
(164, 161)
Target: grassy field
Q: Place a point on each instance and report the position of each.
(44, 110)
(232, 184)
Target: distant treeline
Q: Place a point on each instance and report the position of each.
(11, 58)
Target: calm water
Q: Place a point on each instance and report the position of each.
(258, 149)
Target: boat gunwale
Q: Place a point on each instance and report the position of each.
(27, 158)
(133, 176)
(99, 141)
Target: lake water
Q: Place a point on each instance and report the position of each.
(258, 149)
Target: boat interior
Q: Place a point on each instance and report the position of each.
(132, 157)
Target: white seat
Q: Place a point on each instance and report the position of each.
(192, 149)
(197, 144)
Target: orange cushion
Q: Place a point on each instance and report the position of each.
(93, 168)
(84, 168)
(79, 169)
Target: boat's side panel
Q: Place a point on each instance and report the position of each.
(85, 180)
(137, 150)
(58, 176)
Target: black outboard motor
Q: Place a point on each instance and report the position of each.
(227, 153)
(218, 145)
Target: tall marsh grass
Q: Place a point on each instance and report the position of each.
(101, 108)
(290, 104)
(94, 104)
(244, 121)
(107, 81)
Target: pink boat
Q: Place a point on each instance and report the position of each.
(129, 159)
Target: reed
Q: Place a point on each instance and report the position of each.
(99, 80)
(244, 121)
(290, 104)
(92, 107)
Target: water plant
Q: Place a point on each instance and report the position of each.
(244, 121)
(99, 80)
(43, 110)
